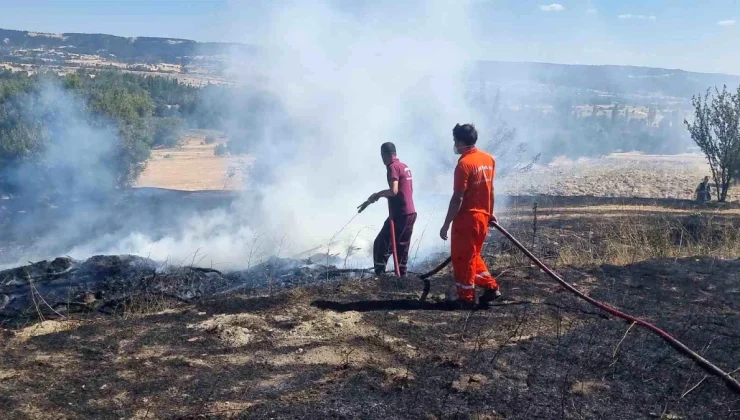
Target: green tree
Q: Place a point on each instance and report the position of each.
(716, 130)
(30, 122)
(221, 149)
(167, 131)
(615, 113)
(21, 139)
(652, 114)
(73, 81)
(143, 111)
(130, 160)
(131, 112)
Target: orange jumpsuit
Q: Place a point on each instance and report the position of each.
(474, 177)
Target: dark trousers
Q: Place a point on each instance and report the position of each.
(382, 249)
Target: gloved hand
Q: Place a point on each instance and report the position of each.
(363, 206)
(370, 200)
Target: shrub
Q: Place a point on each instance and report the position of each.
(167, 131)
(221, 150)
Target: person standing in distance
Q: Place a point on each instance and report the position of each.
(470, 211)
(704, 191)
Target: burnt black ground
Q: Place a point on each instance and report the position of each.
(541, 354)
(353, 348)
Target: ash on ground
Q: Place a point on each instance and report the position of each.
(104, 283)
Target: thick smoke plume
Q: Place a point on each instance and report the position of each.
(347, 81)
(74, 161)
(335, 83)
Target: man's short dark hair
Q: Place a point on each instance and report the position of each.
(388, 149)
(465, 133)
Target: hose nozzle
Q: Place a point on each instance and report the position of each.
(363, 206)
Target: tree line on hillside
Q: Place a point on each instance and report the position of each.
(139, 49)
(612, 80)
(612, 131)
(560, 131)
(41, 112)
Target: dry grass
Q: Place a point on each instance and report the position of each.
(621, 235)
(602, 211)
(630, 240)
(194, 167)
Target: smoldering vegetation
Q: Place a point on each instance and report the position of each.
(122, 285)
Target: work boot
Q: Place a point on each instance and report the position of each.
(488, 297)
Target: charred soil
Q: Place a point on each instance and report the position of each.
(367, 348)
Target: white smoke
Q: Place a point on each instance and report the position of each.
(78, 150)
(76, 156)
(214, 239)
(348, 81)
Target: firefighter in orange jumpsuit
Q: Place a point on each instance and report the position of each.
(470, 210)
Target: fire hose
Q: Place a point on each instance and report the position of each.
(396, 267)
(703, 363)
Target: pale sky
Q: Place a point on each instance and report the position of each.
(691, 35)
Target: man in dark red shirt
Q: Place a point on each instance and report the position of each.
(401, 208)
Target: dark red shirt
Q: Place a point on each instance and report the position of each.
(403, 202)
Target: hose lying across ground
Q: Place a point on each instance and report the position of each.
(698, 359)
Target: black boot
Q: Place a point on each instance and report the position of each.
(489, 296)
(379, 270)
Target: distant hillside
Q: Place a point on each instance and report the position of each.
(540, 79)
(140, 49)
(619, 80)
